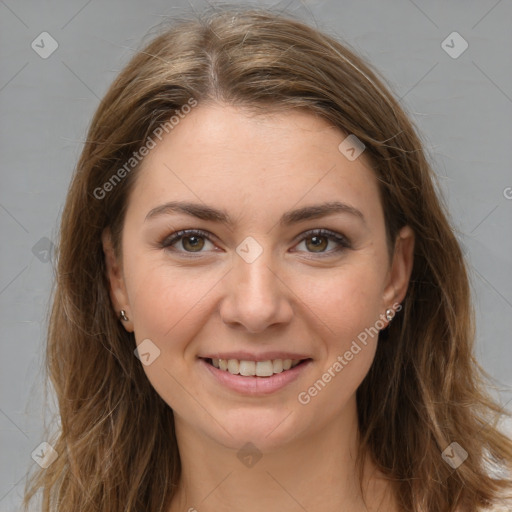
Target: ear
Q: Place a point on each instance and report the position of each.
(401, 268)
(117, 288)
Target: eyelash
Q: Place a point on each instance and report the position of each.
(343, 242)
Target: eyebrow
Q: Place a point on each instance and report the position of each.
(204, 212)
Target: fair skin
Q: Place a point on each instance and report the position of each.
(200, 297)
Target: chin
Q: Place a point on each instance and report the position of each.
(266, 428)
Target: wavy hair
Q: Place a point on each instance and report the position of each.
(116, 442)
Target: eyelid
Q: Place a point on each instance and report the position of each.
(183, 233)
(342, 241)
(327, 233)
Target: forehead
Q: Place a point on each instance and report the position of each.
(222, 132)
(232, 156)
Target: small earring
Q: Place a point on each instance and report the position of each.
(389, 314)
(122, 315)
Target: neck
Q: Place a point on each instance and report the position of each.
(317, 473)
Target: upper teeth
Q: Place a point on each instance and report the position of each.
(258, 368)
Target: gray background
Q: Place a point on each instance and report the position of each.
(461, 105)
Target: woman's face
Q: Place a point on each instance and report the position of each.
(259, 284)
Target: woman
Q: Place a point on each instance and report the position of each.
(260, 303)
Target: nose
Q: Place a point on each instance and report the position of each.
(256, 295)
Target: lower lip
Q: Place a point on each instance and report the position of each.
(253, 385)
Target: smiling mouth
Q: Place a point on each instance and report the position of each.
(255, 368)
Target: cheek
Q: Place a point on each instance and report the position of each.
(162, 297)
(167, 305)
(345, 302)
(347, 308)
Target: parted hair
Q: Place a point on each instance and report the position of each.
(116, 445)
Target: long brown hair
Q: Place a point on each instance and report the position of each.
(116, 447)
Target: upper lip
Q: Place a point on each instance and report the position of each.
(247, 356)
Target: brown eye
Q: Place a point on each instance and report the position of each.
(192, 241)
(318, 243)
